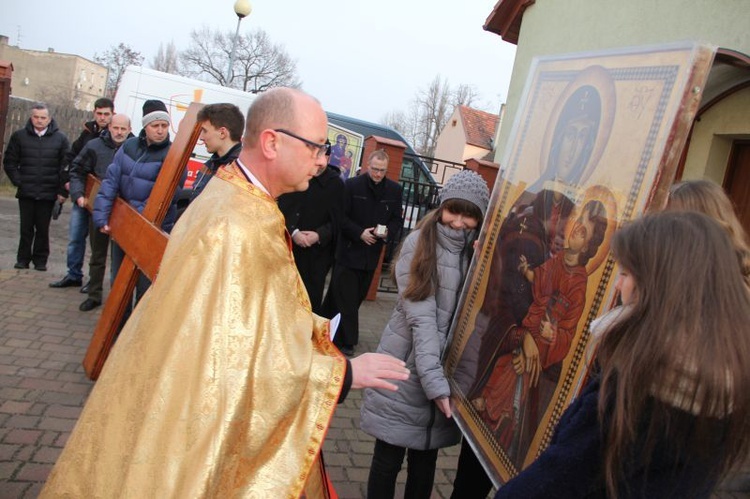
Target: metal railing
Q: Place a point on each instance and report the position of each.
(418, 198)
(441, 169)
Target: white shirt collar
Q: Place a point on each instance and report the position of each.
(39, 134)
(253, 179)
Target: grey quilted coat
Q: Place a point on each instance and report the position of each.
(417, 333)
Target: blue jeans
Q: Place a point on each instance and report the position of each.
(78, 230)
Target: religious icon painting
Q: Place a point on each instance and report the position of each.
(346, 149)
(596, 142)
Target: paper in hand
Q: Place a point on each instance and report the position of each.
(334, 325)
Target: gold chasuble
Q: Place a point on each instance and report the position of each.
(222, 383)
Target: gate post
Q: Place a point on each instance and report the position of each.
(487, 169)
(395, 150)
(6, 74)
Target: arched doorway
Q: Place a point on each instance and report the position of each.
(730, 74)
(737, 180)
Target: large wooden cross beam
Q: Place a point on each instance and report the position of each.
(140, 237)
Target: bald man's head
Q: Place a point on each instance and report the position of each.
(275, 108)
(119, 128)
(285, 139)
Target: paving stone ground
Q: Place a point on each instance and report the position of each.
(43, 338)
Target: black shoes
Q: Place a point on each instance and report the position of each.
(89, 304)
(65, 282)
(41, 267)
(85, 288)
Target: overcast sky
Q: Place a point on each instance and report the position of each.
(360, 59)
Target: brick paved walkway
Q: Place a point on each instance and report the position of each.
(43, 338)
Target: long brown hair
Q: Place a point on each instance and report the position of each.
(680, 355)
(708, 197)
(423, 270)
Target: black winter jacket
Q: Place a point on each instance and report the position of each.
(209, 168)
(571, 467)
(318, 208)
(94, 158)
(35, 164)
(90, 131)
(366, 205)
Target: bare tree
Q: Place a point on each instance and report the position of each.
(428, 113)
(405, 122)
(435, 108)
(398, 121)
(258, 65)
(116, 59)
(166, 59)
(465, 95)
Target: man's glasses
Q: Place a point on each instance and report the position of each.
(318, 149)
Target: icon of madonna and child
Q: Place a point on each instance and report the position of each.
(556, 234)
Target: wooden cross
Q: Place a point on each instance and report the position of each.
(140, 237)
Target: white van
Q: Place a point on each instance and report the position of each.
(140, 84)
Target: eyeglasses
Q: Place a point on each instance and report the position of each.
(318, 149)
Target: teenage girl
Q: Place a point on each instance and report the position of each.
(430, 272)
(667, 412)
(708, 197)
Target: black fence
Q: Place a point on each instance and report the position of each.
(440, 169)
(418, 199)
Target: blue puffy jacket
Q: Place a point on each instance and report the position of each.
(132, 175)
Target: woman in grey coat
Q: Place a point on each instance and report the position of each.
(430, 272)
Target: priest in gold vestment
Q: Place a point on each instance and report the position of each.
(222, 383)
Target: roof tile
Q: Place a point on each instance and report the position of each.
(479, 126)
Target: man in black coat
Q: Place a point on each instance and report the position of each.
(94, 159)
(312, 220)
(371, 216)
(34, 161)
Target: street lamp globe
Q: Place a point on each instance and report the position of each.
(242, 8)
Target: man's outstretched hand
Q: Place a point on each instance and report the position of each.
(371, 370)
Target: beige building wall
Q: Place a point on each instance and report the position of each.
(471, 151)
(451, 143)
(452, 139)
(711, 141)
(53, 77)
(556, 27)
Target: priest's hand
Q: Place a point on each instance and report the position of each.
(371, 370)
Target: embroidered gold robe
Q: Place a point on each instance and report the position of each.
(222, 383)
